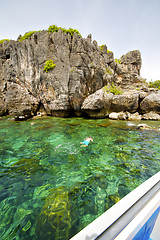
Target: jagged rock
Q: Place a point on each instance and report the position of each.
(82, 68)
(151, 103)
(134, 117)
(80, 71)
(132, 57)
(151, 116)
(127, 73)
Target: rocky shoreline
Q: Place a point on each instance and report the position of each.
(79, 84)
(132, 105)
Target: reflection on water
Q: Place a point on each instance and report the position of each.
(50, 188)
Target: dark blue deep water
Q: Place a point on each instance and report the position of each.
(50, 187)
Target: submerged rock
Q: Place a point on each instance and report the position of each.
(144, 127)
(55, 216)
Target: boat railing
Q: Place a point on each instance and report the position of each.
(134, 214)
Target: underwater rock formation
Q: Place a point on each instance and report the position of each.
(80, 68)
(54, 216)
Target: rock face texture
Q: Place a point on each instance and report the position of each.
(98, 104)
(75, 85)
(151, 103)
(129, 105)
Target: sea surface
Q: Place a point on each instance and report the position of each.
(51, 188)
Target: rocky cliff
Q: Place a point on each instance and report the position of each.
(81, 71)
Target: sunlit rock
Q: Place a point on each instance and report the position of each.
(151, 103)
(134, 117)
(144, 126)
(151, 116)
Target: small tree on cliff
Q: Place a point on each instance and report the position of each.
(49, 65)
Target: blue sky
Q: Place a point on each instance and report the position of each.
(123, 25)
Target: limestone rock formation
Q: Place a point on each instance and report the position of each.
(134, 117)
(100, 104)
(75, 85)
(127, 71)
(151, 103)
(97, 105)
(125, 102)
(118, 115)
(114, 115)
(151, 116)
(80, 71)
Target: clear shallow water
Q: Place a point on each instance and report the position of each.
(50, 187)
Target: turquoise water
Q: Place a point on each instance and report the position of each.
(50, 187)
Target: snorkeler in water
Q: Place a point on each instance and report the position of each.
(86, 141)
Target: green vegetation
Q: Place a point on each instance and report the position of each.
(3, 40)
(155, 84)
(108, 51)
(113, 89)
(71, 31)
(118, 61)
(49, 65)
(101, 48)
(91, 65)
(109, 71)
(26, 35)
(52, 28)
